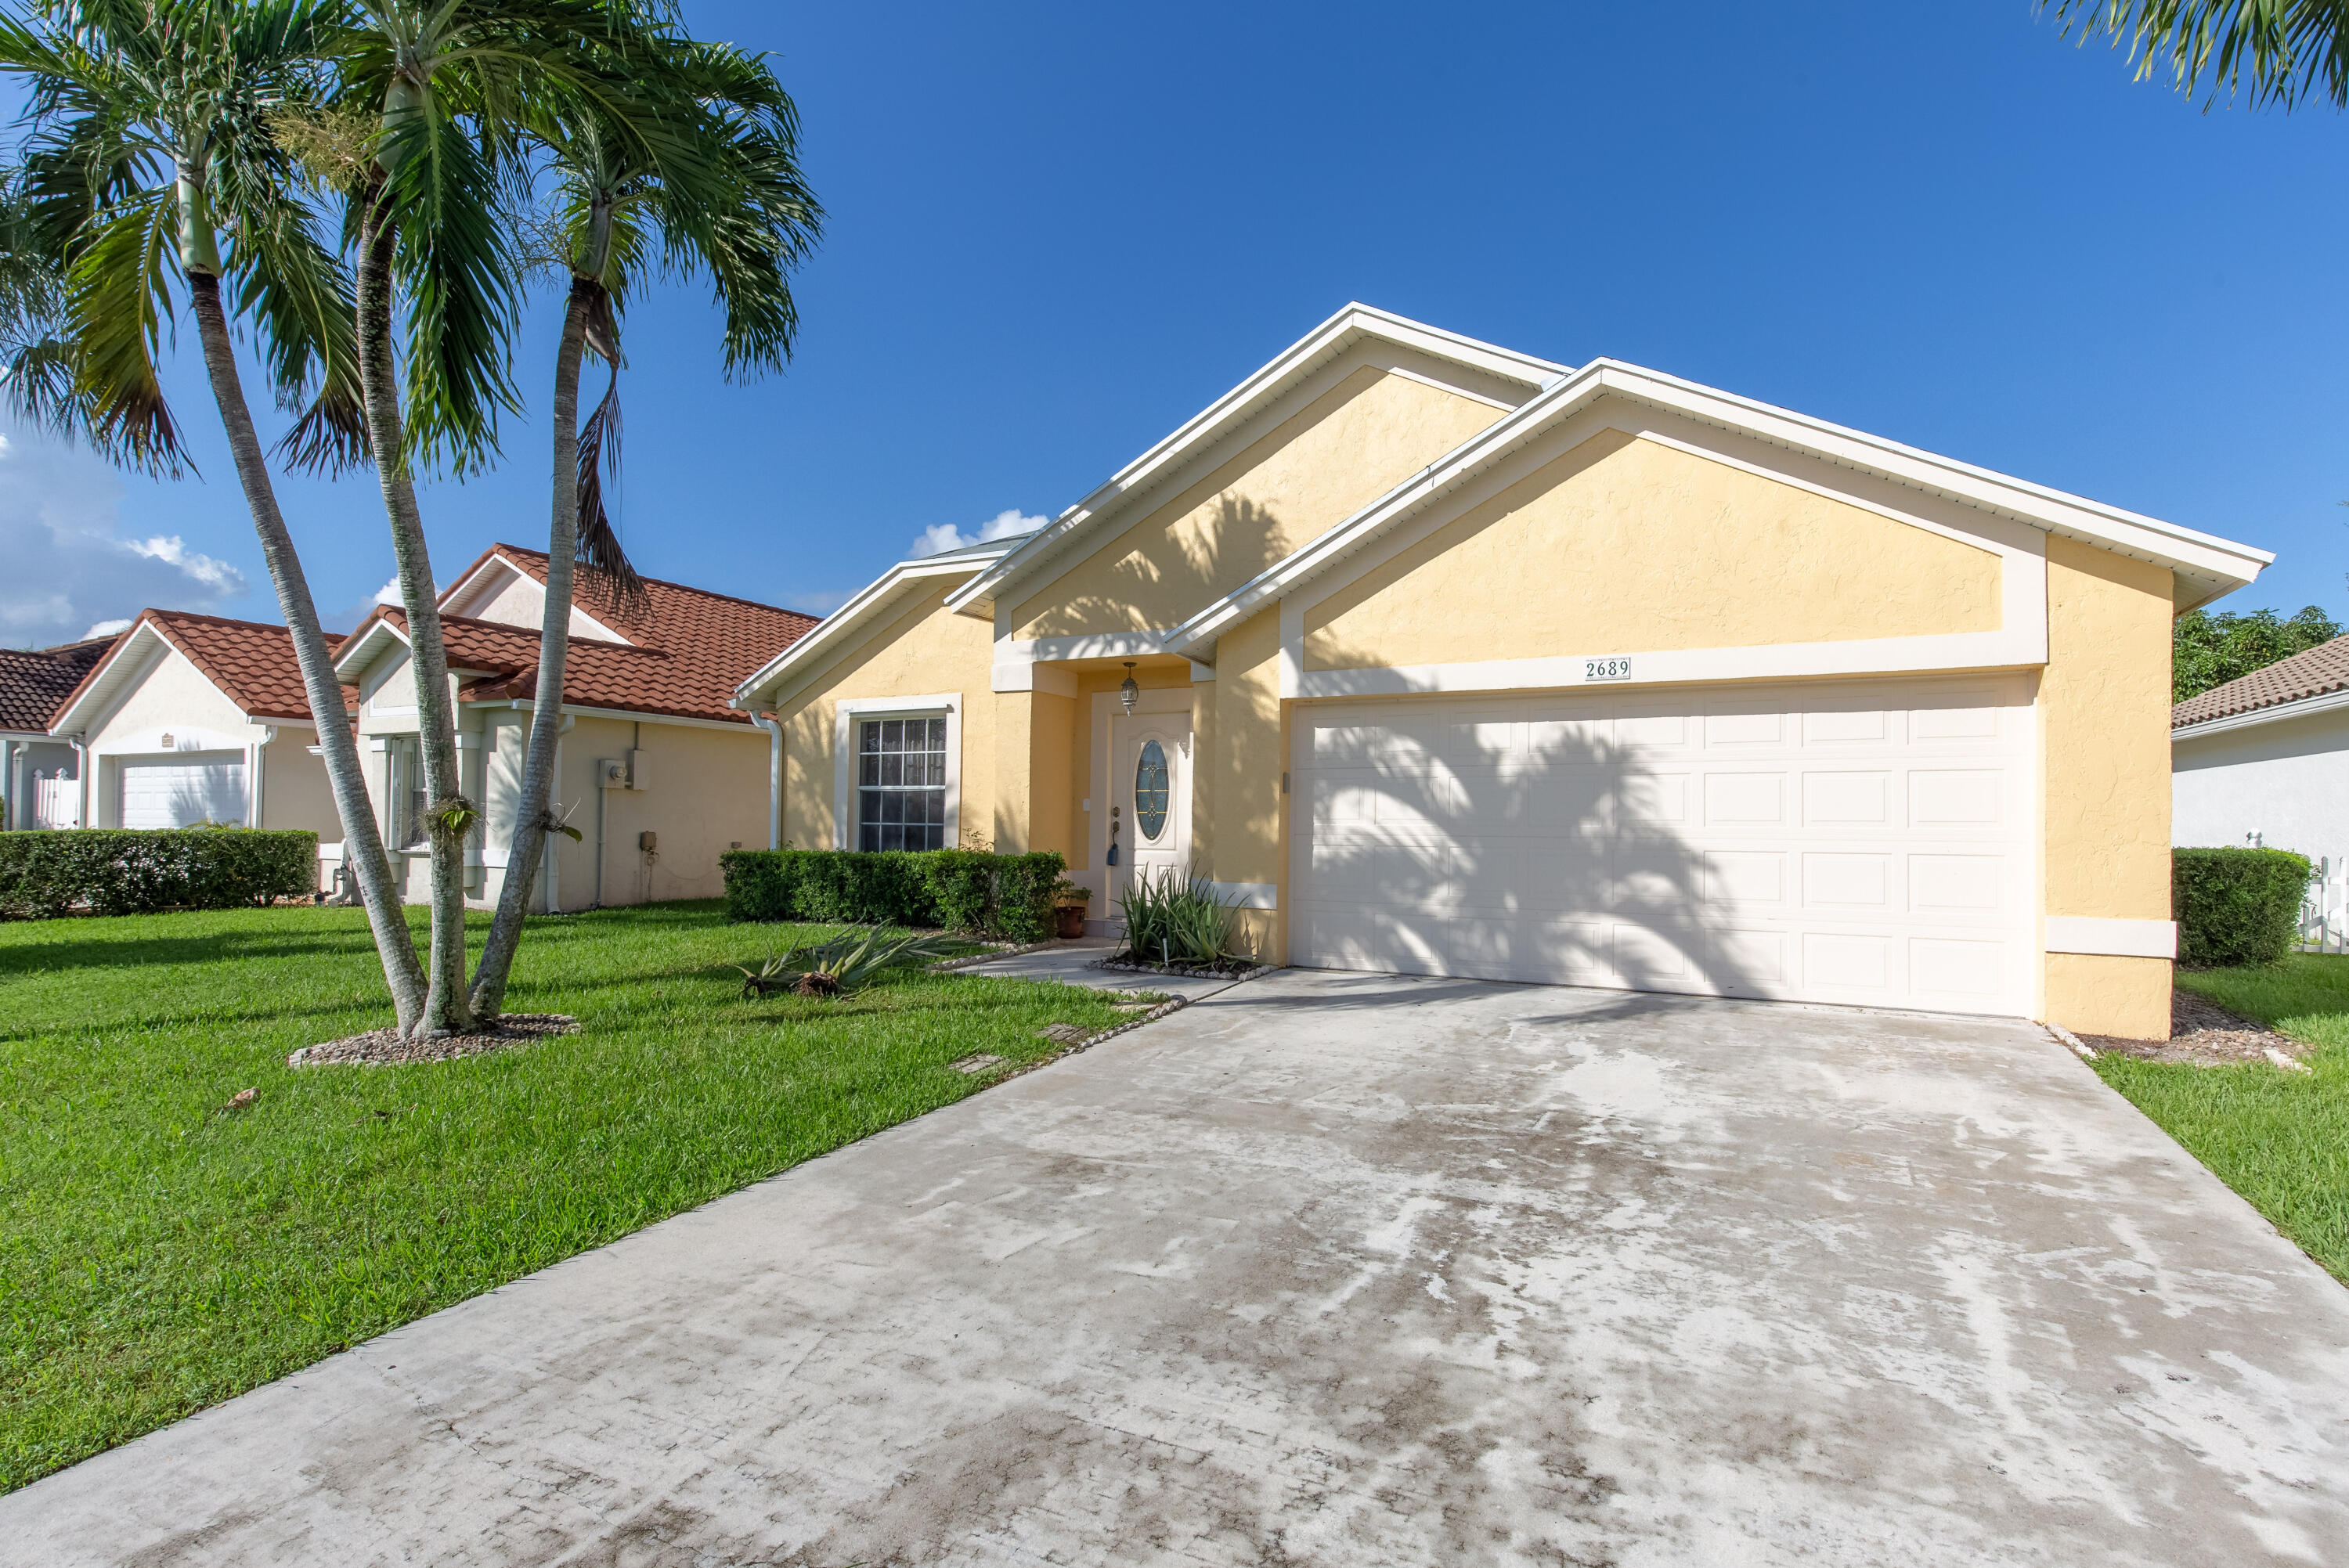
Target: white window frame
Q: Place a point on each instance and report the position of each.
(848, 713)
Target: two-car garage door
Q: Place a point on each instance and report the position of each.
(1840, 841)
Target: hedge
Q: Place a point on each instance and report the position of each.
(121, 871)
(2236, 906)
(1005, 896)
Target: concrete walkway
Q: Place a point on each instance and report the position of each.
(1354, 1270)
(1073, 963)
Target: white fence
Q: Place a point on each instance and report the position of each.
(2324, 908)
(56, 802)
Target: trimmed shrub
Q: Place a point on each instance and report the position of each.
(129, 870)
(1005, 896)
(2236, 906)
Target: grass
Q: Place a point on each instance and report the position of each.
(159, 1254)
(2280, 1139)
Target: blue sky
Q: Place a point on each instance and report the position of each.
(1057, 232)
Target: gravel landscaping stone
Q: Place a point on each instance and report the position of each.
(2204, 1033)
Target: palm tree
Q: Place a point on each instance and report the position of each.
(448, 88)
(2270, 51)
(149, 162)
(722, 194)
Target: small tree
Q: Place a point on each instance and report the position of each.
(2210, 650)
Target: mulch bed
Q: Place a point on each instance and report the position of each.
(385, 1047)
(2204, 1033)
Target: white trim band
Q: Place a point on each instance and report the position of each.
(2112, 938)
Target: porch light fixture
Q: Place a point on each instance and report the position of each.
(1127, 692)
(167, 737)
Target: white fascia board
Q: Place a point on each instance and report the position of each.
(837, 630)
(2324, 702)
(630, 715)
(126, 661)
(1209, 425)
(457, 591)
(2202, 556)
(355, 657)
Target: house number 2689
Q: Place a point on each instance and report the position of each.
(1606, 669)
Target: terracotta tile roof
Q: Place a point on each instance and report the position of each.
(2322, 668)
(690, 647)
(36, 682)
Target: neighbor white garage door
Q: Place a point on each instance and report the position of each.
(1836, 841)
(188, 787)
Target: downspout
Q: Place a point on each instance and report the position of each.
(84, 764)
(254, 770)
(774, 728)
(7, 785)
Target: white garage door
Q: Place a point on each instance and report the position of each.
(1844, 841)
(188, 787)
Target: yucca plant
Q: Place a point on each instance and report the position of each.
(846, 962)
(1171, 919)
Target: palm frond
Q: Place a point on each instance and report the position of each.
(2268, 51)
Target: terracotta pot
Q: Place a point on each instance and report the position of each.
(1072, 920)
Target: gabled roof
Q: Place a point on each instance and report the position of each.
(251, 662)
(686, 647)
(2318, 672)
(36, 682)
(2206, 565)
(1352, 324)
(879, 599)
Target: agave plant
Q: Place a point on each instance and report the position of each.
(846, 962)
(1175, 920)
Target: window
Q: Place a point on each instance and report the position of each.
(403, 783)
(1150, 791)
(901, 784)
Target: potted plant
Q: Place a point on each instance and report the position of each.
(1068, 901)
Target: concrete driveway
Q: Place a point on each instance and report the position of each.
(1345, 1269)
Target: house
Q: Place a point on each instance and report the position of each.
(40, 777)
(189, 719)
(2265, 759)
(655, 769)
(1447, 659)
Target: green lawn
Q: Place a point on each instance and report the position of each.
(2280, 1139)
(158, 1253)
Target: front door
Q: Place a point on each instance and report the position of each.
(1149, 801)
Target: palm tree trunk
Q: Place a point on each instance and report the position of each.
(532, 812)
(448, 814)
(363, 849)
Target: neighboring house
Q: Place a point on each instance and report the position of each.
(2265, 759)
(656, 771)
(1451, 660)
(190, 718)
(40, 777)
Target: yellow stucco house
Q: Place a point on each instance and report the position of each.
(1451, 660)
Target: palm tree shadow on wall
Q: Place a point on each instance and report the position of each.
(1205, 564)
(1510, 847)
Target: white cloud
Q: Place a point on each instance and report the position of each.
(943, 536)
(389, 592)
(67, 572)
(105, 629)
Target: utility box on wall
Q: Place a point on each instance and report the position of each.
(640, 762)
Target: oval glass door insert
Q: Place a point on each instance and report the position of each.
(1150, 791)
